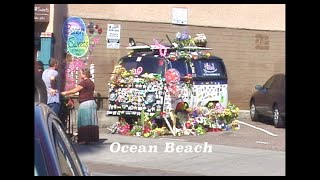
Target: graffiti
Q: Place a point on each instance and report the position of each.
(78, 44)
(71, 73)
(73, 25)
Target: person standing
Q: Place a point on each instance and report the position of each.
(40, 66)
(49, 76)
(88, 129)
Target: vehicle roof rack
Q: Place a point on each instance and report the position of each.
(152, 47)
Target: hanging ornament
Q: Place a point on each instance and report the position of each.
(172, 76)
(100, 30)
(91, 27)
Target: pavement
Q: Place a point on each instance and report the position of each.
(246, 152)
(112, 156)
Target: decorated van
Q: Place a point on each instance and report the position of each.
(161, 80)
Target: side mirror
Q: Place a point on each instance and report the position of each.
(258, 87)
(261, 88)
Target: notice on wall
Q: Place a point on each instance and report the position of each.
(113, 43)
(113, 36)
(179, 15)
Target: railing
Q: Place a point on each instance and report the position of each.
(69, 116)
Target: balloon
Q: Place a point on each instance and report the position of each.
(172, 76)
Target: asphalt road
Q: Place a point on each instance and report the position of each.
(247, 136)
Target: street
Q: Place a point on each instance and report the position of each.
(246, 152)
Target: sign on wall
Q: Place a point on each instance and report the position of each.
(41, 12)
(74, 33)
(78, 44)
(179, 15)
(113, 36)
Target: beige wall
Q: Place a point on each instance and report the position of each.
(236, 42)
(246, 16)
(247, 65)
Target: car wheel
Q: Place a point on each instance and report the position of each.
(277, 121)
(253, 111)
(40, 91)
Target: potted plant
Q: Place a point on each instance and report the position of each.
(136, 129)
(183, 39)
(200, 40)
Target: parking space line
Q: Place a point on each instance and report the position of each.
(263, 130)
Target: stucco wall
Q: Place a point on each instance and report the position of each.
(247, 16)
(249, 62)
(233, 31)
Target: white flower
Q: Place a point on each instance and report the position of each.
(178, 35)
(200, 38)
(175, 44)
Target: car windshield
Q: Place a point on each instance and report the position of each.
(143, 64)
(209, 68)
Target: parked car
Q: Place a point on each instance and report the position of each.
(54, 154)
(269, 101)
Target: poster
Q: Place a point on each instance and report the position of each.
(113, 36)
(113, 43)
(179, 15)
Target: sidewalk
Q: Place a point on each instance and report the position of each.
(223, 160)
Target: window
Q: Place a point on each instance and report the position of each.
(209, 68)
(69, 162)
(268, 84)
(146, 64)
(182, 67)
(40, 167)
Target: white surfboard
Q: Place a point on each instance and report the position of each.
(154, 47)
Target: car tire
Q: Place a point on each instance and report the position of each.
(277, 120)
(40, 91)
(253, 111)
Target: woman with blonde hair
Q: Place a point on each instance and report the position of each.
(88, 129)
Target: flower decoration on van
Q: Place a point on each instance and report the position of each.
(162, 48)
(188, 79)
(172, 56)
(121, 75)
(183, 39)
(185, 55)
(136, 129)
(172, 77)
(200, 40)
(122, 127)
(227, 114)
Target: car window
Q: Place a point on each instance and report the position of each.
(143, 64)
(68, 160)
(182, 67)
(269, 83)
(278, 83)
(209, 68)
(40, 167)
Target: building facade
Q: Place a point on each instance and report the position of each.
(249, 37)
